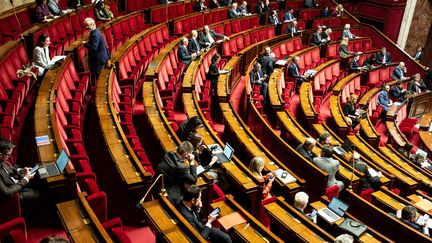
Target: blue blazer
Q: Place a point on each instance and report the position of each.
(97, 49)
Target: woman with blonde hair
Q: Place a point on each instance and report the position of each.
(349, 110)
(256, 166)
(343, 51)
(338, 11)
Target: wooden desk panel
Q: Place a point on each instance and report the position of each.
(307, 104)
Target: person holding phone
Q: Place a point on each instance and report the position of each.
(256, 166)
(301, 200)
(190, 208)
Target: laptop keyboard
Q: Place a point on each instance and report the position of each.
(221, 156)
(331, 214)
(51, 169)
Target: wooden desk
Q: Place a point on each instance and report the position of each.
(290, 224)
(307, 103)
(255, 232)
(425, 122)
(338, 116)
(168, 224)
(80, 222)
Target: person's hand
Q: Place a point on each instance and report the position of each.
(226, 38)
(194, 55)
(29, 176)
(83, 42)
(213, 161)
(210, 219)
(190, 157)
(379, 174)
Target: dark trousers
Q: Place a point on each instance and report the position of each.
(217, 235)
(95, 70)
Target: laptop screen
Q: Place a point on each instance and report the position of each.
(62, 160)
(338, 207)
(347, 145)
(228, 151)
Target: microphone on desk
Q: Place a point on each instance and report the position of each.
(353, 166)
(162, 193)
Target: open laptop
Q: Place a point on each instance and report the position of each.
(55, 168)
(226, 155)
(345, 148)
(334, 211)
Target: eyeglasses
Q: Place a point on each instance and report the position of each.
(8, 155)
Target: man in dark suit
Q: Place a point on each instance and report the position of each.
(317, 38)
(200, 6)
(368, 181)
(293, 70)
(383, 57)
(194, 44)
(179, 170)
(14, 180)
(410, 216)
(273, 18)
(399, 72)
(305, 149)
(292, 28)
(242, 10)
(269, 63)
(207, 37)
(354, 65)
(289, 15)
(232, 12)
(97, 50)
(183, 54)
(416, 84)
(257, 77)
(419, 54)
(398, 92)
(190, 208)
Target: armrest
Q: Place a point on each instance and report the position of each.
(112, 223)
(17, 223)
(165, 92)
(127, 81)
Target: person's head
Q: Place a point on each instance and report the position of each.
(6, 148)
(420, 158)
(192, 195)
(274, 12)
(383, 49)
(53, 239)
(325, 138)
(339, 7)
(184, 150)
(185, 41)
(216, 58)
(43, 40)
(409, 213)
(344, 238)
(326, 151)
(196, 140)
(194, 123)
(416, 77)
(296, 59)
(420, 48)
(401, 64)
(256, 165)
(257, 66)
(319, 29)
(345, 41)
(267, 50)
(234, 5)
(291, 10)
(272, 55)
(206, 29)
(309, 144)
(355, 156)
(408, 147)
(347, 26)
(328, 31)
(194, 34)
(90, 24)
(244, 4)
(353, 98)
(100, 4)
(387, 87)
(301, 200)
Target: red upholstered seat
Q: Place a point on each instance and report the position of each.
(332, 192)
(15, 228)
(263, 216)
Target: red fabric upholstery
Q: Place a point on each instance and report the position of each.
(332, 192)
(264, 218)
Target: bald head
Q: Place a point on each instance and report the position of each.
(194, 34)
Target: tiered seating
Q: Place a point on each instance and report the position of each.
(379, 75)
(332, 22)
(362, 44)
(246, 38)
(10, 28)
(327, 75)
(136, 5)
(163, 13)
(14, 231)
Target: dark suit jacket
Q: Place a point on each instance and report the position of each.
(414, 88)
(419, 57)
(398, 73)
(353, 65)
(97, 49)
(198, 7)
(396, 92)
(305, 153)
(268, 65)
(194, 221)
(233, 14)
(213, 74)
(7, 185)
(292, 72)
(194, 46)
(184, 56)
(214, 5)
(258, 9)
(349, 109)
(254, 76)
(272, 19)
(380, 56)
(368, 181)
(316, 39)
(204, 39)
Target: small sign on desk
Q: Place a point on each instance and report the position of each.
(42, 140)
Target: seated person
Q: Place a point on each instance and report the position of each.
(310, 4)
(346, 33)
(273, 18)
(354, 64)
(325, 12)
(325, 139)
(178, 168)
(383, 98)
(183, 54)
(293, 70)
(289, 15)
(256, 166)
(368, 181)
(349, 110)
(257, 77)
(54, 8)
(41, 11)
(383, 57)
(421, 161)
(103, 12)
(200, 6)
(190, 208)
(305, 149)
(406, 150)
(242, 10)
(370, 61)
(409, 216)
(301, 200)
(343, 51)
(399, 72)
(416, 84)
(344, 238)
(194, 45)
(41, 56)
(232, 12)
(398, 92)
(189, 127)
(329, 165)
(317, 38)
(207, 37)
(292, 28)
(326, 34)
(338, 11)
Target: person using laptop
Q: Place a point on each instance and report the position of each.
(178, 168)
(301, 200)
(189, 127)
(368, 181)
(329, 165)
(14, 180)
(305, 149)
(256, 166)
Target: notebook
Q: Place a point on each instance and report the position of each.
(334, 211)
(54, 168)
(226, 155)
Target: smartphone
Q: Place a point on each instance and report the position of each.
(313, 214)
(284, 175)
(34, 169)
(215, 212)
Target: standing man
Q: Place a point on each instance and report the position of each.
(97, 50)
(257, 77)
(317, 38)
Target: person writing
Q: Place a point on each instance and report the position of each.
(41, 56)
(189, 127)
(256, 166)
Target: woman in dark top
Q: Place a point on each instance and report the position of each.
(368, 181)
(41, 11)
(349, 110)
(213, 72)
(259, 8)
(189, 127)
